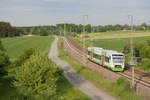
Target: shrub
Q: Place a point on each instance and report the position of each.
(4, 59)
(127, 48)
(37, 76)
(1, 46)
(146, 65)
(24, 56)
(148, 42)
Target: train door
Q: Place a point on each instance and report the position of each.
(102, 59)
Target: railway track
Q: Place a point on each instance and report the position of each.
(140, 77)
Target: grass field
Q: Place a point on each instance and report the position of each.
(114, 40)
(120, 91)
(116, 43)
(15, 46)
(116, 34)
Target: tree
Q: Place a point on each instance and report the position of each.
(25, 56)
(43, 32)
(4, 59)
(88, 28)
(6, 30)
(33, 31)
(37, 76)
(144, 26)
(1, 46)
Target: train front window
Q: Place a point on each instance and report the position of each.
(118, 59)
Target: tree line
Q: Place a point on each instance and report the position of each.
(6, 30)
(74, 28)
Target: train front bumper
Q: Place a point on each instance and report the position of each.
(117, 69)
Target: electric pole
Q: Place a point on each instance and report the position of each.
(92, 31)
(132, 62)
(64, 28)
(83, 38)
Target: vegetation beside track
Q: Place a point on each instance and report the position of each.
(120, 89)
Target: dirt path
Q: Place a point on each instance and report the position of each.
(77, 80)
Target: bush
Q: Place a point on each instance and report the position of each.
(127, 48)
(144, 50)
(24, 56)
(37, 77)
(148, 42)
(1, 46)
(146, 65)
(4, 59)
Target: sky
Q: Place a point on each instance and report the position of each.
(52, 12)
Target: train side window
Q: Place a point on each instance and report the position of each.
(99, 57)
(94, 55)
(107, 59)
(89, 52)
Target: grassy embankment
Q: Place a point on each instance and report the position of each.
(14, 47)
(120, 89)
(117, 41)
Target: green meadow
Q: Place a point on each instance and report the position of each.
(15, 46)
(115, 43)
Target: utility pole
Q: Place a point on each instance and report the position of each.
(83, 38)
(92, 31)
(132, 62)
(64, 28)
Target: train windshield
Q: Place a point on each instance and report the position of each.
(118, 58)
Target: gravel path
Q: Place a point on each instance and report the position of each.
(78, 81)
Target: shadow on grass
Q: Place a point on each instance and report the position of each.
(6, 88)
(65, 89)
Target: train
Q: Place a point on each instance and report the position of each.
(113, 60)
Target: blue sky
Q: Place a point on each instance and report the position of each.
(51, 12)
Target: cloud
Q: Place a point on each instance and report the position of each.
(35, 12)
(28, 9)
(61, 1)
(51, 0)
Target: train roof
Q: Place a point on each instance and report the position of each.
(95, 48)
(98, 50)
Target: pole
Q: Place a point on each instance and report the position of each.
(83, 38)
(131, 53)
(92, 31)
(64, 28)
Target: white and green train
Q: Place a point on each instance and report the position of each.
(106, 58)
